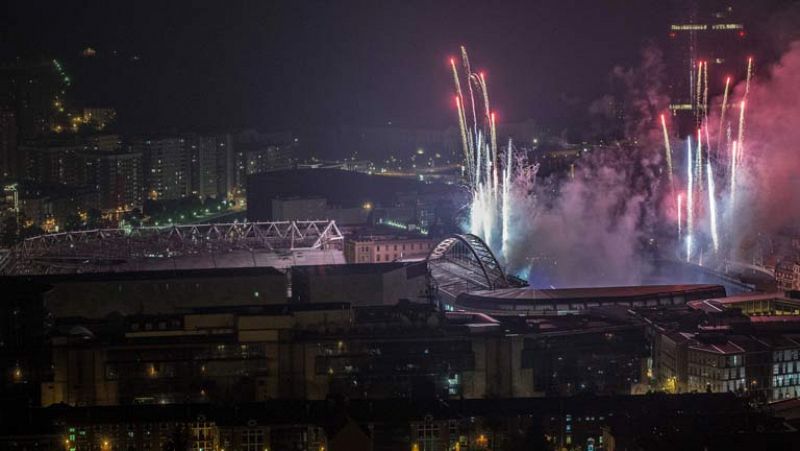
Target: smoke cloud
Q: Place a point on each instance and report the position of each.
(596, 227)
(770, 185)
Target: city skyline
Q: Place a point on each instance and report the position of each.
(400, 226)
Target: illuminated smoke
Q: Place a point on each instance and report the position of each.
(588, 228)
(751, 167)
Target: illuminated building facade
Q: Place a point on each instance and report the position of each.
(54, 162)
(377, 248)
(785, 381)
(787, 274)
(203, 166)
(117, 176)
(49, 206)
(718, 367)
(96, 163)
(741, 344)
(166, 174)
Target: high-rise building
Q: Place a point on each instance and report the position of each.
(203, 166)
(9, 157)
(226, 165)
(166, 169)
(712, 32)
(96, 163)
(117, 177)
(257, 153)
(53, 162)
(211, 166)
(104, 142)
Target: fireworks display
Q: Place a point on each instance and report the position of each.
(706, 188)
(706, 165)
(488, 181)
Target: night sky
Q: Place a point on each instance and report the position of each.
(278, 65)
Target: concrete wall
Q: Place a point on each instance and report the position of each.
(96, 299)
(371, 285)
(498, 371)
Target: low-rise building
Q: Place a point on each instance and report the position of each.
(787, 274)
(744, 344)
(609, 423)
(387, 248)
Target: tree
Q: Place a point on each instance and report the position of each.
(10, 232)
(179, 439)
(73, 222)
(31, 231)
(530, 437)
(94, 219)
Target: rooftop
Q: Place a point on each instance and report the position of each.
(144, 275)
(349, 269)
(755, 305)
(524, 294)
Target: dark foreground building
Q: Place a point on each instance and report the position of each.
(358, 331)
(353, 357)
(654, 422)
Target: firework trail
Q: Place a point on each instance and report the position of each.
(468, 157)
(689, 199)
(482, 82)
(705, 93)
(667, 148)
(749, 76)
(698, 164)
(680, 212)
(493, 134)
(468, 71)
(712, 207)
(722, 112)
(506, 199)
(698, 100)
(735, 150)
(455, 79)
(740, 138)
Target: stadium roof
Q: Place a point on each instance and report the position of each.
(568, 294)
